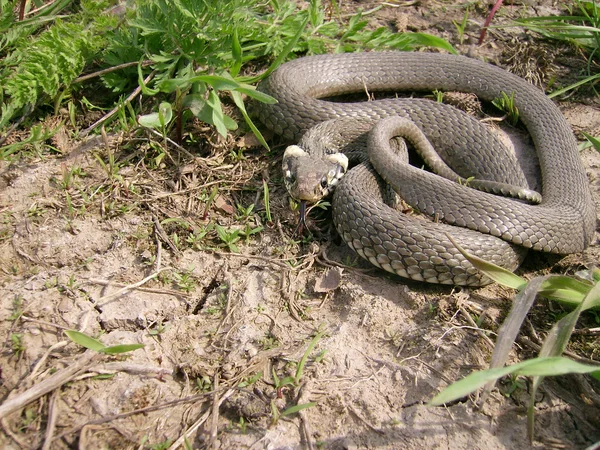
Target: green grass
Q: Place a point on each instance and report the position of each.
(582, 293)
(580, 28)
(184, 58)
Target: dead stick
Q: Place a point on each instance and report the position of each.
(52, 416)
(54, 381)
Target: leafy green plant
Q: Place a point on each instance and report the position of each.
(93, 344)
(592, 141)
(191, 55)
(203, 384)
(197, 238)
(249, 230)
(229, 237)
(44, 64)
(438, 95)
(244, 213)
(17, 306)
(582, 294)
(37, 133)
(460, 27)
(69, 175)
(36, 210)
(294, 381)
(507, 104)
(250, 381)
(276, 414)
(184, 280)
(16, 343)
(158, 329)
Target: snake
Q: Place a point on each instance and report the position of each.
(492, 227)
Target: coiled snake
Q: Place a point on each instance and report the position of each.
(494, 227)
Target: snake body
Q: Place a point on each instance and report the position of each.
(563, 222)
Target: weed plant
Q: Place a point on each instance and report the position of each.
(581, 28)
(191, 54)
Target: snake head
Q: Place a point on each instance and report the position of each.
(310, 178)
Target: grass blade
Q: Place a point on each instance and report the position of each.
(507, 334)
(84, 340)
(574, 85)
(239, 102)
(560, 288)
(565, 289)
(236, 54)
(555, 344)
(297, 408)
(302, 363)
(496, 273)
(530, 367)
(121, 348)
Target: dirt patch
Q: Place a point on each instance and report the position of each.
(222, 332)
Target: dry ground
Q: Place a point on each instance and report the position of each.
(211, 320)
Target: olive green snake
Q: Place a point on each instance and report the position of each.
(486, 225)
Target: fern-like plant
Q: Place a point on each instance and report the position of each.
(45, 63)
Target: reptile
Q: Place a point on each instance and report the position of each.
(489, 226)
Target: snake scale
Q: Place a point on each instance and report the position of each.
(486, 225)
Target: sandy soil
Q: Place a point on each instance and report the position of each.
(220, 330)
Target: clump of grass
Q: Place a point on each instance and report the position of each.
(293, 381)
(582, 294)
(581, 28)
(506, 103)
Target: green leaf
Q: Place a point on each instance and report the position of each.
(287, 381)
(556, 341)
(172, 84)
(93, 344)
(593, 140)
(210, 111)
(236, 54)
(165, 113)
(565, 289)
(531, 367)
(297, 408)
(196, 103)
(218, 83)
(284, 53)
(428, 40)
(302, 363)
(239, 102)
(150, 121)
(574, 85)
(220, 120)
(122, 348)
(557, 287)
(496, 273)
(84, 340)
(251, 91)
(511, 326)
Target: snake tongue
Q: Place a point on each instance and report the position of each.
(302, 219)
